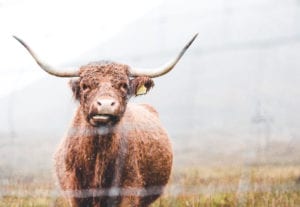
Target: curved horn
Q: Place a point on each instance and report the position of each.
(159, 71)
(49, 69)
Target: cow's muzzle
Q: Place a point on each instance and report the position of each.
(104, 111)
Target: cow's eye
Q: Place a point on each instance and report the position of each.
(85, 87)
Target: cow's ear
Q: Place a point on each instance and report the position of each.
(141, 85)
(75, 86)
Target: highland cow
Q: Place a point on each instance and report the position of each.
(115, 153)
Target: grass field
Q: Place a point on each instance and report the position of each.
(194, 186)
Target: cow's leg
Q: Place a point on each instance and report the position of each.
(131, 192)
(130, 201)
(80, 201)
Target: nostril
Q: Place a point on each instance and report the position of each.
(99, 103)
(113, 103)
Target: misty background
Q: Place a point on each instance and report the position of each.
(233, 98)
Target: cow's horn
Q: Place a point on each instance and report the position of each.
(49, 69)
(159, 71)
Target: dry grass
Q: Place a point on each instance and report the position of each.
(234, 186)
(198, 186)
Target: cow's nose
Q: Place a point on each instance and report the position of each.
(107, 106)
(106, 102)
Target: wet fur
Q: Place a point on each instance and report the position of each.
(134, 155)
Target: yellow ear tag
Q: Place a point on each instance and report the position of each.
(141, 90)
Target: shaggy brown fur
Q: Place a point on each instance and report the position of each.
(126, 162)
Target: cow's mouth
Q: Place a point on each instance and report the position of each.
(102, 119)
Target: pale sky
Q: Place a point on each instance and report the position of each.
(58, 31)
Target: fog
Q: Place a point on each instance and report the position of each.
(232, 98)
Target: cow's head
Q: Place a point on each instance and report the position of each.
(103, 88)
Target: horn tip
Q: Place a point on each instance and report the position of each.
(194, 37)
(15, 37)
(190, 42)
(19, 40)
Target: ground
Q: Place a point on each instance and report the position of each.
(213, 186)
